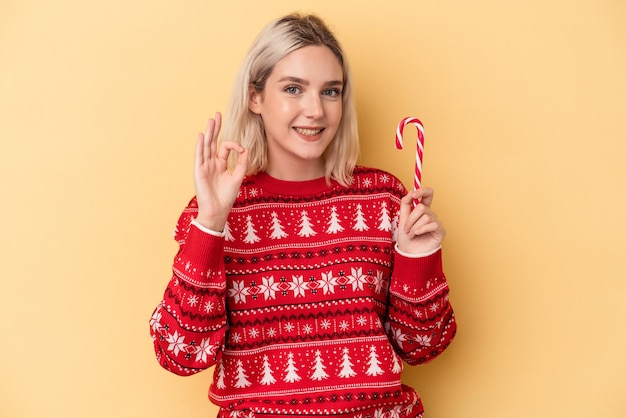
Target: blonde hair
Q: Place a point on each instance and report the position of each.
(279, 38)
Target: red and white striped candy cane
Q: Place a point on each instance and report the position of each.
(419, 153)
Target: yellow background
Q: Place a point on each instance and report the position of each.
(524, 104)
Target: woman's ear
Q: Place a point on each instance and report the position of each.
(254, 100)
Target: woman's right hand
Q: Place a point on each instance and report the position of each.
(216, 187)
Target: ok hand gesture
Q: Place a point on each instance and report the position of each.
(216, 186)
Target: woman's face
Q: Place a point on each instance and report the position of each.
(301, 108)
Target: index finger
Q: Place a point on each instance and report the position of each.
(424, 195)
(406, 206)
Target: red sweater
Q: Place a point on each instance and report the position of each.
(304, 306)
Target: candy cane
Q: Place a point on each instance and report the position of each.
(419, 153)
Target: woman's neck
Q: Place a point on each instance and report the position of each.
(300, 172)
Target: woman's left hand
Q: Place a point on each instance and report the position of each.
(419, 230)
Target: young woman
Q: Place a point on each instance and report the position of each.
(305, 281)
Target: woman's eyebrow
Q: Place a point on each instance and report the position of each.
(304, 82)
(294, 80)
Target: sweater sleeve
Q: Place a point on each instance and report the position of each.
(420, 321)
(188, 326)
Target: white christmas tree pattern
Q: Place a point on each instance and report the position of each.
(346, 364)
(242, 378)
(267, 375)
(292, 372)
(221, 375)
(277, 229)
(396, 366)
(394, 227)
(228, 236)
(251, 236)
(306, 229)
(334, 225)
(319, 372)
(359, 220)
(385, 219)
(373, 363)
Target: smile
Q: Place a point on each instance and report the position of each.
(309, 132)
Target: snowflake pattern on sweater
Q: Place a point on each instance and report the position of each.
(303, 306)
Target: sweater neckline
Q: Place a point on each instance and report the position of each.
(294, 188)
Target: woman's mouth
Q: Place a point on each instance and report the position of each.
(309, 131)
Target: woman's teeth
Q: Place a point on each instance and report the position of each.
(308, 132)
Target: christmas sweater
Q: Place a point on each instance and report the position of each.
(303, 304)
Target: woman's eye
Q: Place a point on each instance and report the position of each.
(292, 89)
(332, 92)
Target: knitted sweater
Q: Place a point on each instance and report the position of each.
(303, 304)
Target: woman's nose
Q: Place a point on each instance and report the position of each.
(313, 106)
